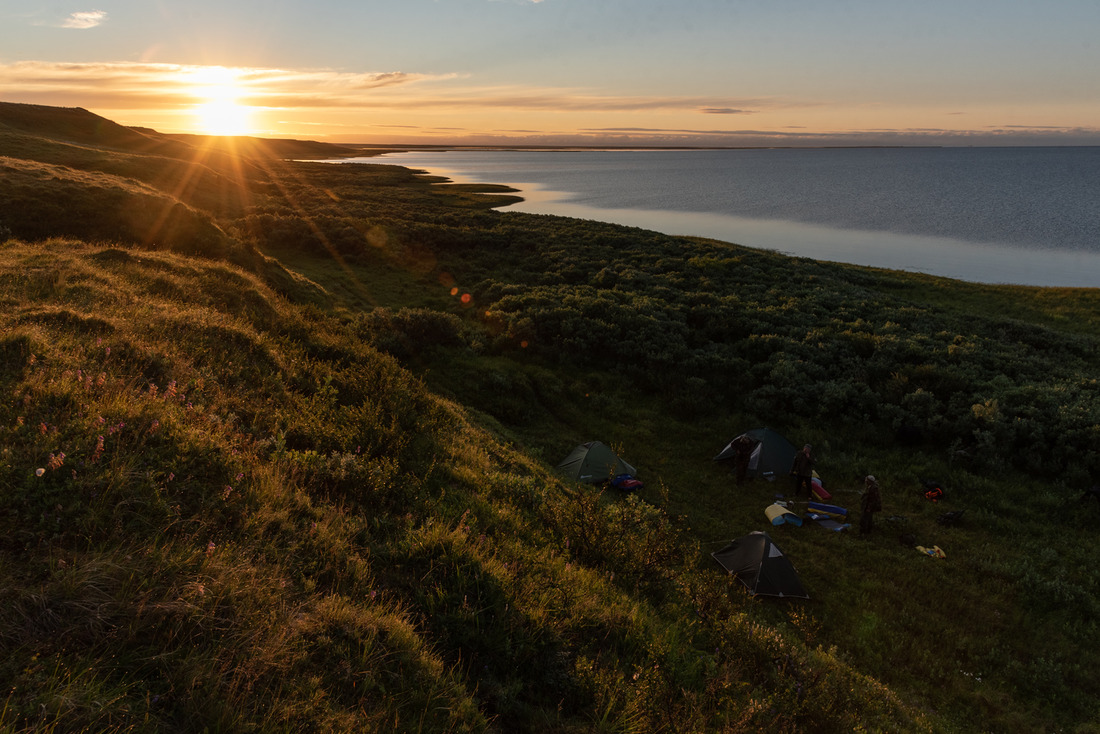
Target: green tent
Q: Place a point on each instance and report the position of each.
(759, 564)
(772, 456)
(594, 463)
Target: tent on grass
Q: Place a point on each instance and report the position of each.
(772, 456)
(759, 564)
(594, 463)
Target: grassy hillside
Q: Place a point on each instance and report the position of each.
(278, 444)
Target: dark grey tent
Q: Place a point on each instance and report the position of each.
(593, 462)
(772, 456)
(759, 564)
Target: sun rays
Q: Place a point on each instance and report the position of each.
(220, 111)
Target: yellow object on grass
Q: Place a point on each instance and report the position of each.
(778, 514)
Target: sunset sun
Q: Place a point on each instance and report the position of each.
(219, 111)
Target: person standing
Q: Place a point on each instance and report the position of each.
(869, 504)
(742, 455)
(803, 471)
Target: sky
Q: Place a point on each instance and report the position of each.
(570, 72)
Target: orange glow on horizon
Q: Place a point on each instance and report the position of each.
(221, 113)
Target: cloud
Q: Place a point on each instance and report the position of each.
(83, 19)
(108, 85)
(152, 85)
(563, 100)
(165, 94)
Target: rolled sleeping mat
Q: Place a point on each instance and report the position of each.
(778, 515)
(828, 509)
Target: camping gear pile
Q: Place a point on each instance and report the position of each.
(830, 517)
(933, 491)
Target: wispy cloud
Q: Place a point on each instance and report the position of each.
(84, 19)
(160, 85)
(564, 100)
(138, 85)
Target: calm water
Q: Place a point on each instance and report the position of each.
(998, 215)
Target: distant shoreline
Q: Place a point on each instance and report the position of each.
(941, 250)
(370, 150)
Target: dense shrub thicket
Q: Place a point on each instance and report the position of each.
(717, 327)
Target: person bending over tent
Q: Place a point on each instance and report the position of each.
(870, 503)
(769, 454)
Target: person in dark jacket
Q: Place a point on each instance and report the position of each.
(869, 504)
(803, 471)
(742, 455)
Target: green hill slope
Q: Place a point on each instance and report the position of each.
(304, 480)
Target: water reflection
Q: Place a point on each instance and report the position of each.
(943, 256)
(975, 262)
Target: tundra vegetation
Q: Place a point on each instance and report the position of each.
(277, 449)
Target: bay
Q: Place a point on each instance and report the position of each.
(1028, 216)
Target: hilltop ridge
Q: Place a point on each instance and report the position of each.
(76, 124)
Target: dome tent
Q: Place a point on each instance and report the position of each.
(594, 463)
(758, 563)
(772, 455)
